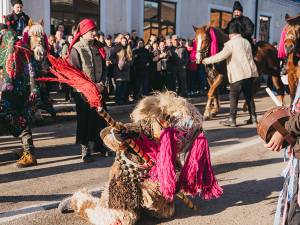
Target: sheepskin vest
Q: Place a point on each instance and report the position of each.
(91, 60)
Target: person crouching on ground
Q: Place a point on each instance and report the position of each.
(88, 57)
(241, 72)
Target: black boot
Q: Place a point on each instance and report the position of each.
(251, 120)
(230, 122)
(86, 155)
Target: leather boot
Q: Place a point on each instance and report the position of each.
(27, 159)
(86, 155)
(230, 122)
(251, 120)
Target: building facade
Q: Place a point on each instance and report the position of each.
(158, 16)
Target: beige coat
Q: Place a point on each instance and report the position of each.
(238, 54)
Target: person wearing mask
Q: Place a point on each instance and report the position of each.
(17, 20)
(141, 70)
(88, 57)
(241, 72)
(247, 26)
(121, 57)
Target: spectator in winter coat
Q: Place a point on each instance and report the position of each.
(87, 56)
(141, 70)
(121, 57)
(17, 20)
(180, 68)
(164, 60)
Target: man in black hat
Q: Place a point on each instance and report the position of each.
(17, 20)
(246, 24)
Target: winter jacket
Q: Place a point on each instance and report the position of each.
(141, 59)
(121, 61)
(17, 22)
(183, 56)
(238, 54)
(246, 25)
(167, 63)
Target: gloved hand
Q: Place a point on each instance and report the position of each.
(124, 134)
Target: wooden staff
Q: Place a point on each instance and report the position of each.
(130, 142)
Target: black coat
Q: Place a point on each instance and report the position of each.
(17, 22)
(246, 25)
(141, 59)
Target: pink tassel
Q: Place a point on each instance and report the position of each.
(214, 42)
(197, 173)
(281, 50)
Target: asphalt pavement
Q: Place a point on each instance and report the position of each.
(249, 174)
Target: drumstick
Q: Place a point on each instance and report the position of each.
(273, 97)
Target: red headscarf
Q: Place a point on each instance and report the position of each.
(84, 26)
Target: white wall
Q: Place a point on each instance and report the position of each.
(4, 9)
(38, 10)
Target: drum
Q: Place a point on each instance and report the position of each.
(274, 120)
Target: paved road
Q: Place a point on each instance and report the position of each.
(249, 174)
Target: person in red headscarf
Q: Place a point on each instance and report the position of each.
(87, 55)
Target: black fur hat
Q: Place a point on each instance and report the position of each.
(13, 2)
(237, 6)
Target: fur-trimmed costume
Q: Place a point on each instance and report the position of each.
(170, 132)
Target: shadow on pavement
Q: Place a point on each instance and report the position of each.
(224, 168)
(31, 198)
(36, 172)
(249, 192)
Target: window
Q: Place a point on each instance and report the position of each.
(159, 18)
(264, 28)
(219, 18)
(70, 12)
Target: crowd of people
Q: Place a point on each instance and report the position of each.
(163, 62)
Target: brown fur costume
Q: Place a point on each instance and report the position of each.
(129, 191)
